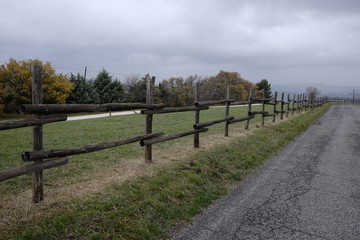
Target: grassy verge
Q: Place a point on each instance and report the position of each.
(150, 207)
(79, 133)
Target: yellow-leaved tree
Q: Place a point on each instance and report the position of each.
(15, 84)
(215, 87)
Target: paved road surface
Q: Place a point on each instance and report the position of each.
(311, 190)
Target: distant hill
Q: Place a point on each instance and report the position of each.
(325, 89)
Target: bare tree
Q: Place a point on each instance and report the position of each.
(312, 92)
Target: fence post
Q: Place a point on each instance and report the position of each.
(227, 111)
(300, 103)
(275, 112)
(37, 98)
(149, 117)
(293, 105)
(304, 102)
(263, 108)
(249, 109)
(197, 116)
(282, 106)
(288, 105)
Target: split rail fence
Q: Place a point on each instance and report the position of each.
(49, 113)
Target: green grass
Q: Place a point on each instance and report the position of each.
(150, 207)
(79, 133)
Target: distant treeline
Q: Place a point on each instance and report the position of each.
(15, 87)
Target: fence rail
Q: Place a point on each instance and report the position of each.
(49, 113)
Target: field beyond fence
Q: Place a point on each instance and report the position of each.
(44, 141)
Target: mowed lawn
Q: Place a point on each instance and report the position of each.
(83, 132)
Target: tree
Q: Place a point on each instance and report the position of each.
(109, 90)
(135, 89)
(15, 84)
(101, 82)
(175, 92)
(266, 86)
(214, 88)
(116, 91)
(83, 92)
(312, 92)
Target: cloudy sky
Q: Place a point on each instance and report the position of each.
(284, 41)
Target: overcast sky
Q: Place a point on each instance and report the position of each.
(284, 41)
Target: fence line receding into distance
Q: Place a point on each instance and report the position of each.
(49, 113)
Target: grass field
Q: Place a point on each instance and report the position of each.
(147, 206)
(83, 132)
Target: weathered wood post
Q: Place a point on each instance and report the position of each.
(197, 116)
(299, 103)
(302, 96)
(150, 83)
(293, 105)
(282, 106)
(37, 98)
(249, 109)
(263, 108)
(288, 105)
(275, 103)
(304, 101)
(227, 111)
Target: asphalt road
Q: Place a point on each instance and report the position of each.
(311, 190)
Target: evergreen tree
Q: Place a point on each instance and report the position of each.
(101, 82)
(116, 92)
(109, 90)
(264, 84)
(83, 92)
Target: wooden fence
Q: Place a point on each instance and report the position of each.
(48, 113)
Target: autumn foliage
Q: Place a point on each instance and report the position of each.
(178, 92)
(15, 87)
(15, 84)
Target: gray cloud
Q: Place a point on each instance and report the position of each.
(281, 40)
